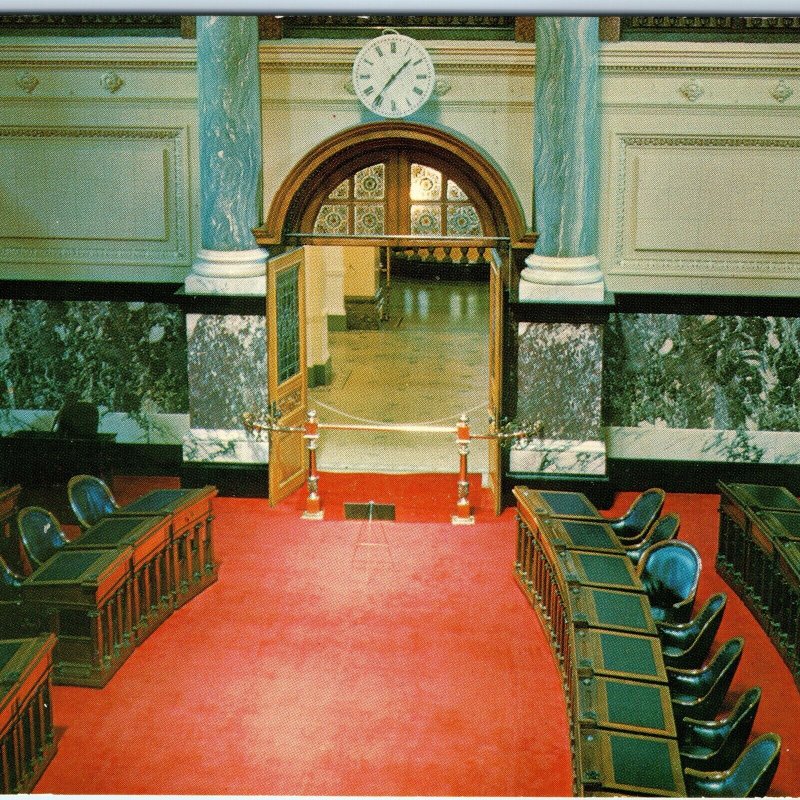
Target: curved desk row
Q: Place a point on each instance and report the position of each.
(105, 592)
(605, 642)
(759, 557)
(27, 744)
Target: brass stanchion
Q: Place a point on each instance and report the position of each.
(311, 434)
(463, 515)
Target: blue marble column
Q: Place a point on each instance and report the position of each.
(566, 162)
(560, 363)
(227, 359)
(229, 125)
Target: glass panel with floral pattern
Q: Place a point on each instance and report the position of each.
(369, 183)
(426, 219)
(463, 220)
(369, 219)
(332, 220)
(455, 192)
(426, 183)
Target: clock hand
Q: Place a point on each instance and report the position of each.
(394, 75)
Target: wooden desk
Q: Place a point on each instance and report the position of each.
(618, 654)
(85, 598)
(618, 763)
(759, 529)
(153, 566)
(9, 538)
(26, 716)
(585, 590)
(191, 532)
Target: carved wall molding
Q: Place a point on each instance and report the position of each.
(692, 90)
(27, 81)
(174, 252)
(728, 265)
(782, 91)
(112, 82)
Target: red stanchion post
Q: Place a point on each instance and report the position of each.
(463, 515)
(311, 435)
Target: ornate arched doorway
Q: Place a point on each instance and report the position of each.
(398, 185)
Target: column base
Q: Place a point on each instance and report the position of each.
(228, 272)
(222, 446)
(559, 279)
(560, 456)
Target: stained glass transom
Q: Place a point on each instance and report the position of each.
(332, 219)
(455, 192)
(341, 192)
(362, 204)
(369, 183)
(463, 220)
(369, 219)
(288, 324)
(426, 183)
(426, 219)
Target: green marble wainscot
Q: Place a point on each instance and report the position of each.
(727, 386)
(124, 356)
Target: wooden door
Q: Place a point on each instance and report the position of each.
(496, 270)
(287, 383)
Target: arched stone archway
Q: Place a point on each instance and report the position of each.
(323, 167)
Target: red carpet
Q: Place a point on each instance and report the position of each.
(331, 658)
(363, 658)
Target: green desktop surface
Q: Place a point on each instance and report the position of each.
(766, 497)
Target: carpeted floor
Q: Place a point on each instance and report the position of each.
(362, 658)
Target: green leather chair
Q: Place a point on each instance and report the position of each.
(633, 525)
(686, 645)
(699, 693)
(662, 530)
(750, 775)
(713, 745)
(669, 573)
(42, 535)
(90, 498)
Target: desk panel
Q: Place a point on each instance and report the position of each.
(85, 597)
(618, 654)
(617, 763)
(27, 743)
(153, 566)
(573, 505)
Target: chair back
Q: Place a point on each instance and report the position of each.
(10, 583)
(700, 693)
(662, 530)
(90, 498)
(714, 745)
(41, 534)
(686, 646)
(669, 572)
(643, 512)
(750, 775)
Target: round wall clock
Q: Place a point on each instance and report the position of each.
(393, 75)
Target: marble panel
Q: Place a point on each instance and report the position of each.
(559, 377)
(227, 367)
(126, 357)
(711, 372)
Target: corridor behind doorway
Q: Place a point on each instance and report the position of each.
(427, 364)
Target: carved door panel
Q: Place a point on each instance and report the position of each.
(495, 373)
(287, 383)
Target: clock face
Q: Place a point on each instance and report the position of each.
(393, 75)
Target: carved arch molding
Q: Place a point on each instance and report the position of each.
(309, 183)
